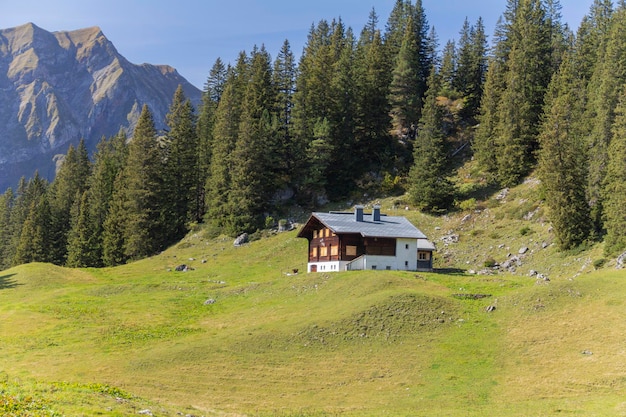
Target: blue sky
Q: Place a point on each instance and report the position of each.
(191, 34)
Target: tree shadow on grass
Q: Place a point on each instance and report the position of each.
(6, 282)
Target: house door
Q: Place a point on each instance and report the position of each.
(313, 268)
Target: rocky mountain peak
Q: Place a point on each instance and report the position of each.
(59, 87)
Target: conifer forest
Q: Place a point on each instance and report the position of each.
(383, 110)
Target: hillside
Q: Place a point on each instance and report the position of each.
(60, 87)
(240, 334)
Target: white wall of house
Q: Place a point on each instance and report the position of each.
(406, 254)
(405, 260)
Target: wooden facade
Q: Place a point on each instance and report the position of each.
(326, 246)
(342, 241)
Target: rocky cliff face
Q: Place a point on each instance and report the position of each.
(59, 87)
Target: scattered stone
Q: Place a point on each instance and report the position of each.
(209, 301)
(471, 272)
(543, 277)
(466, 218)
(192, 259)
(621, 261)
(145, 412)
(523, 250)
(450, 238)
(544, 245)
(181, 268)
(532, 273)
(501, 246)
(203, 261)
(490, 309)
(587, 352)
(241, 239)
(502, 194)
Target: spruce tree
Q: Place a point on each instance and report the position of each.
(180, 176)
(113, 234)
(35, 243)
(31, 206)
(562, 159)
(81, 251)
(109, 160)
(211, 96)
(225, 133)
(614, 190)
(70, 181)
(7, 202)
(143, 229)
(529, 73)
(604, 90)
(373, 145)
(404, 91)
(284, 82)
(429, 187)
(253, 179)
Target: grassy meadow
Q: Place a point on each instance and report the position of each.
(240, 334)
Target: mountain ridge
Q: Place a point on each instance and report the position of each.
(59, 87)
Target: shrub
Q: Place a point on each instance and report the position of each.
(599, 263)
(469, 204)
(489, 263)
(525, 231)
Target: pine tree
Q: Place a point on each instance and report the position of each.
(429, 187)
(614, 190)
(562, 159)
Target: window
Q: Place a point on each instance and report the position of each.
(423, 256)
(406, 246)
(350, 250)
(314, 252)
(388, 268)
(373, 266)
(314, 234)
(406, 263)
(334, 250)
(323, 251)
(327, 232)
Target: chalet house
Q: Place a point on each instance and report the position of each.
(343, 241)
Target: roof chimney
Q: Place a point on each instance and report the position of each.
(376, 214)
(358, 213)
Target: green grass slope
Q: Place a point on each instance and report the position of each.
(240, 334)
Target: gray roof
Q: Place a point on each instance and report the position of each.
(388, 226)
